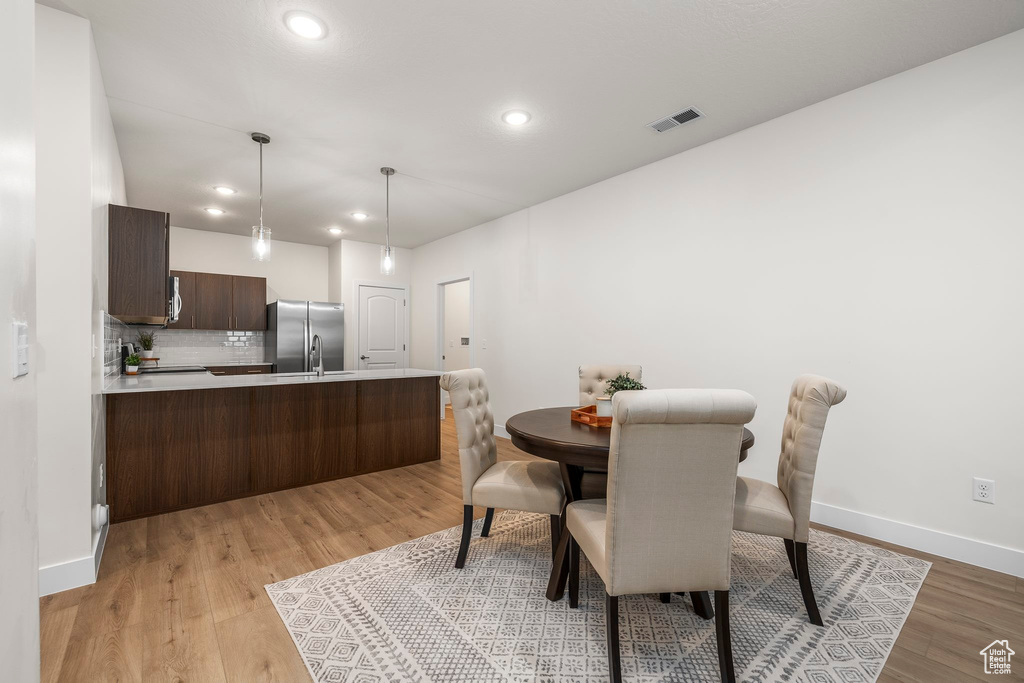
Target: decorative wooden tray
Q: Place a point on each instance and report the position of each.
(588, 415)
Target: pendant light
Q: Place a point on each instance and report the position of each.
(261, 233)
(387, 257)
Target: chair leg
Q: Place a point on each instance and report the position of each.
(792, 556)
(556, 533)
(467, 533)
(666, 597)
(702, 604)
(574, 572)
(611, 618)
(723, 637)
(488, 518)
(805, 584)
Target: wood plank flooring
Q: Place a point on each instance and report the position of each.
(180, 596)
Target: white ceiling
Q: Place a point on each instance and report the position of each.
(421, 86)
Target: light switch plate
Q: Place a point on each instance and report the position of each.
(19, 348)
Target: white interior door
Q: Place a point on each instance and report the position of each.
(381, 328)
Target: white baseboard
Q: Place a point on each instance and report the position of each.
(499, 430)
(67, 575)
(979, 553)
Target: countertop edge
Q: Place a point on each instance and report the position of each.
(125, 384)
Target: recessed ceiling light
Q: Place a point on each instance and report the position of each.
(334, 231)
(515, 117)
(215, 212)
(305, 25)
(223, 189)
(359, 215)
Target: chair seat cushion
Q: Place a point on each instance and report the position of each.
(528, 485)
(585, 520)
(762, 508)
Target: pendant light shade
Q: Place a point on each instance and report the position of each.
(261, 233)
(387, 255)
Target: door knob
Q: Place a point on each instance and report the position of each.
(364, 358)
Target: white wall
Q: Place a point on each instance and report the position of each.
(295, 271)
(78, 172)
(19, 618)
(107, 187)
(874, 238)
(360, 262)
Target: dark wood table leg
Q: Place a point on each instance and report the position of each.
(572, 479)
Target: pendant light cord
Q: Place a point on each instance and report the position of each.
(387, 214)
(261, 189)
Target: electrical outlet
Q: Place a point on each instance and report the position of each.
(985, 491)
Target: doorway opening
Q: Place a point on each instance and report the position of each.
(456, 346)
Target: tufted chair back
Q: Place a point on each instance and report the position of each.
(594, 379)
(671, 488)
(474, 424)
(809, 402)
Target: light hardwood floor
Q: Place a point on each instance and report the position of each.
(180, 596)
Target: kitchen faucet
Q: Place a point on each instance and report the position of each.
(317, 348)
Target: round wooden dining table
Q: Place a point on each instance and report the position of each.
(550, 433)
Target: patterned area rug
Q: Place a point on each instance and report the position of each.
(406, 614)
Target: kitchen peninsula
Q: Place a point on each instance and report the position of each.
(184, 440)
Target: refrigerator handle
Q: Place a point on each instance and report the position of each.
(305, 345)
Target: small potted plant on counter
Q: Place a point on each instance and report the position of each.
(621, 383)
(146, 342)
(131, 364)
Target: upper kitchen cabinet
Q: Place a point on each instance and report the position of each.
(138, 252)
(221, 302)
(249, 302)
(213, 302)
(187, 292)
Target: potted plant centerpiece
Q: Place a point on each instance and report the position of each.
(146, 342)
(621, 383)
(131, 364)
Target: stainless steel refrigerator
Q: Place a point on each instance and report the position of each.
(290, 329)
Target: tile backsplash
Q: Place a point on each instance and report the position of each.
(182, 347)
(113, 329)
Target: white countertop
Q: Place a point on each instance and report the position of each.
(126, 384)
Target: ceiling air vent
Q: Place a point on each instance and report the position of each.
(677, 119)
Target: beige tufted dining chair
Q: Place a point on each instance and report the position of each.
(594, 379)
(785, 510)
(666, 525)
(593, 382)
(531, 486)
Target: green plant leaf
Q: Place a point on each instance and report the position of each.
(623, 383)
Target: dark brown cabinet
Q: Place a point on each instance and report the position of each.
(249, 302)
(170, 450)
(138, 251)
(210, 301)
(213, 302)
(318, 422)
(187, 292)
